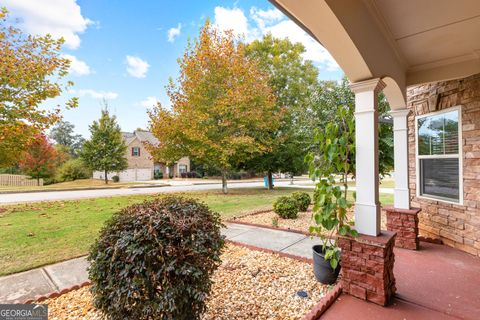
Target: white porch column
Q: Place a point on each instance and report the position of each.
(367, 206)
(400, 144)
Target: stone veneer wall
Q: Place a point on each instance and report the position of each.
(456, 225)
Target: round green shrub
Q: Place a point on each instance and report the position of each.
(154, 260)
(115, 178)
(303, 200)
(73, 169)
(286, 207)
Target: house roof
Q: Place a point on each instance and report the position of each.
(142, 136)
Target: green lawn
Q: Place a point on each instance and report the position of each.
(37, 234)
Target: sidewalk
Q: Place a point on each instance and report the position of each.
(24, 286)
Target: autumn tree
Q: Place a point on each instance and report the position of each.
(294, 82)
(105, 151)
(223, 110)
(31, 71)
(41, 158)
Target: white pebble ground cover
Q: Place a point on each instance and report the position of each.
(249, 284)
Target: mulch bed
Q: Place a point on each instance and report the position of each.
(250, 284)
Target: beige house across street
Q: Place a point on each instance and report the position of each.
(141, 165)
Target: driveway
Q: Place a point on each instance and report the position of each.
(84, 194)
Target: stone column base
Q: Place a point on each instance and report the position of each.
(367, 267)
(405, 223)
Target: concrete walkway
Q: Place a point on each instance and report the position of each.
(27, 285)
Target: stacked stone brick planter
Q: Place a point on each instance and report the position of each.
(405, 224)
(367, 267)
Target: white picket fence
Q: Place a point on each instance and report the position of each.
(17, 180)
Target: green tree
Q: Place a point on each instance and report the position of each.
(105, 151)
(63, 134)
(31, 70)
(294, 82)
(223, 110)
(71, 170)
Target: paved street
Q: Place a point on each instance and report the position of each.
(84, 194)
(13, 198)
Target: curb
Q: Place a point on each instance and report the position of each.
(250, 213)
(258, 225)
(282, 254)
(56, 294)
(269, 227)
(324, 303)
(247, 181)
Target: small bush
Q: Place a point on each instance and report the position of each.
(115, 178)
(183, 175)
(193, 174)
(154, 260)
(286, 207)
(73, 169)
(158, 175)
(303, 200)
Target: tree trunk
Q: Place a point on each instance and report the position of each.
(106, 177)
(291, 178)
(224, 182)
(38, 181)
(270, 180)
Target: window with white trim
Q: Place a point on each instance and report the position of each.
(439, 155)
(135, 152)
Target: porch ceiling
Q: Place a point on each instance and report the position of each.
(409, 41)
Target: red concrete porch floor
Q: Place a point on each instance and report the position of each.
(436, 282)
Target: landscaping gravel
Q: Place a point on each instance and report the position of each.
(301, 223)
(249, 284)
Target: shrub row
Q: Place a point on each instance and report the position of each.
(191, 174)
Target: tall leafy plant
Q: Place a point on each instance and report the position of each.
(333, 156)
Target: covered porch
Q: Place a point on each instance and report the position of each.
(425, 57)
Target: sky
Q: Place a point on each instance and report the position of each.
(125, 51)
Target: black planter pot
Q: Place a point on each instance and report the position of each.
(321, 267)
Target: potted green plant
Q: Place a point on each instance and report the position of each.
(333, 158)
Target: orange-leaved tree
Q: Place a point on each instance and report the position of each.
(31, 70)
(223, 110)
(41, 158)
